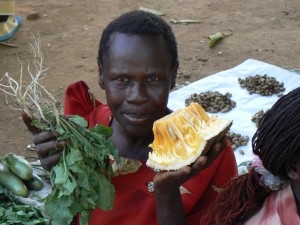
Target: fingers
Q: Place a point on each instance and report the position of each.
(48, 148)
(200, 164)
(27, 120)
(215, 151)
(43, 137)
(45, 148)
(224, 141)
(205, 161)
(51, 160)
(179, 174)
(217, 148)
(166, 175)
(49, 153)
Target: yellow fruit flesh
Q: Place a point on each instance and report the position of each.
(181, 137)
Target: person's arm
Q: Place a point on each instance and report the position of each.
(166, 185)
(169, 208)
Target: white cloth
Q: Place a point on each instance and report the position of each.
(246, 105)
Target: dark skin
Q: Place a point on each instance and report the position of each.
(137, 85)
(137, 77)
(293, 172)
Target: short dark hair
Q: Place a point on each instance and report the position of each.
(277, 140)
(139, 22)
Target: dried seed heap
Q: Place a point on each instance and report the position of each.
(262, 85)
(237, 140)
(212, 101)
(256, 118)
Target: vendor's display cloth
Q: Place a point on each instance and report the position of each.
(246, 105)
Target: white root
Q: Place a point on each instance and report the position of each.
(33, 97)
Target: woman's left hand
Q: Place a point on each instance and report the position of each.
(165, 181)
(169, 205)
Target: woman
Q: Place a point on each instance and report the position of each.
(138, 63)
(270, 192)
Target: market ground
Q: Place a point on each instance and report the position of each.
(70, 30)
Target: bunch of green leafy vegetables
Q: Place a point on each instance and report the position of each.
(81, 181)
(12, 212)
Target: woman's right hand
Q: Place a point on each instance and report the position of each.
(48, 148)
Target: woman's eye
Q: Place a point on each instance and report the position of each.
(154, 78)
(122, 79)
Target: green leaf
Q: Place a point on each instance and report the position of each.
(78, 120)
(40, 124)
(75, 142)
(59, 130)
(60, 174)
(69, 186)
(85, 217)
(64, 135)
(102, 130)
(50, 116)
(84, 182)
(106, 192)
(78, 168)
(58, 208)
(13, 212)
(73, 156)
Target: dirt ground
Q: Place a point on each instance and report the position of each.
(70, 30)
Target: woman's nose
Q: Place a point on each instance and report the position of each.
(137, 93)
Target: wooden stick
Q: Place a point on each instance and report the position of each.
(8, 44)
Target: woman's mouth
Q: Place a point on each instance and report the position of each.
(137, 118)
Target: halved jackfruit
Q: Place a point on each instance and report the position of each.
(182, 136)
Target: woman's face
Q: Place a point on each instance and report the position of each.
(137, 77)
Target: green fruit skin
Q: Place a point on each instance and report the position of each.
(35, 183)
(13, 183)
(19, 166)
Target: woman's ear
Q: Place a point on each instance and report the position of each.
(100, 81)
(174, 75)
(292, 168)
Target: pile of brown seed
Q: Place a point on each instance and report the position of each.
(212, 101)
(256, 118)
(237, 140)
(262, 85)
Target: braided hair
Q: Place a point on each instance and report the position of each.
(277, 139)
(276, 142)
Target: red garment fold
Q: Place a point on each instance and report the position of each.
(79, 101)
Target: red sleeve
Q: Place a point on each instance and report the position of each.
(79, 101)
(205, 186)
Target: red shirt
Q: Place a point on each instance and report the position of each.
(135, 200)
